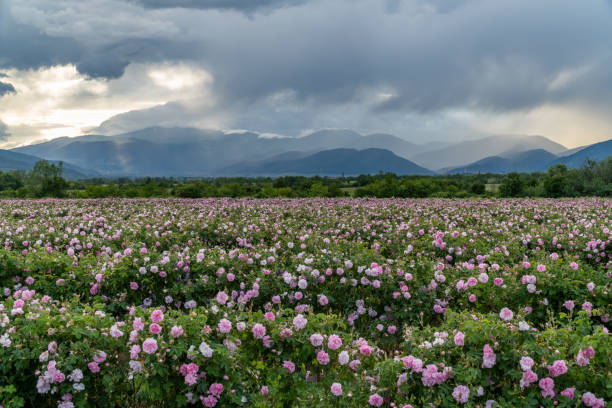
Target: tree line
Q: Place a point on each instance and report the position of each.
(45, 180)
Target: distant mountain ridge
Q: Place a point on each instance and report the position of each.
(194, 152)
(597, 151)
(10, 160)
(537, 160)
(467, 152)
(335, 162)
(527, 162)
(191, 152)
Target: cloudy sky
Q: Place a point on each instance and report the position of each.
(421, 69)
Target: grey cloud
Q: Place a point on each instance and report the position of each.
(157, 116)
(434, 54)
(589, 84)
(24, 47)
(103, 65)
(240, 5)
(6, 88)
(287, 116)
(430, 56)
(336, 56)
(110, 61)
(4, 133)
(483, 55)
(392, 6)
(445, 6)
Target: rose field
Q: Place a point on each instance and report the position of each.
(305, 303)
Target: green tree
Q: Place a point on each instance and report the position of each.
(512, 186)
(478, 187)
(45, 180)
(12, 180)
(555, 182)
(318, 190)
(190, 190)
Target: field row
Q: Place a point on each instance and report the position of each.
(305, 302)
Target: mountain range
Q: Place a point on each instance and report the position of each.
(474, 150)
(527, 161)
(191, 152)
(597, 152)
(350, 162)
(10, 160)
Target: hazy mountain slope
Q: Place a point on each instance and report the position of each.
(182, 153)
(400, 147)
(331, 163)
(177, 151)
(597, 151)
(331, 139)
(10, 160)
(464, 153)
(173, 135)
(47, 149)
(569, 152)
(529, 161)
(323, 140)
(15, 161)
(192, 152)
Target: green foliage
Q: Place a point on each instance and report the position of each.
(391, 278)
(593, 179)
(555, 182)
(512, 186)
(45, 180)
(478, 188)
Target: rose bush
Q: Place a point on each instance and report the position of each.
(318, 302)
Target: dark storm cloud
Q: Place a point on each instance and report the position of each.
(427, 57)
(24, 47)
(486, 55)
(6, 89)
(433, 54)
(241, 5)
(406, 56)
(111, 60)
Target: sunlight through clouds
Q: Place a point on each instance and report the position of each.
(59, 101)
(179, 77)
